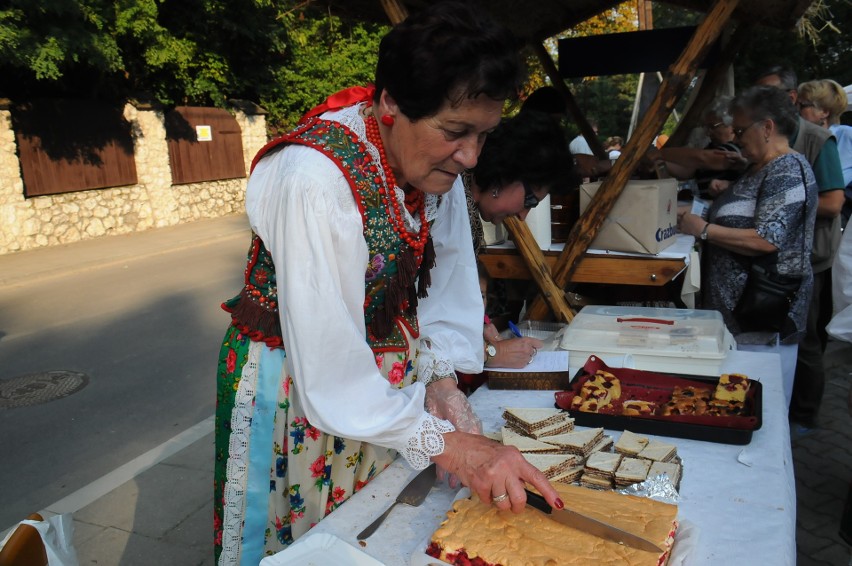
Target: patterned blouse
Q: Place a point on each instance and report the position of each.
(780, 202)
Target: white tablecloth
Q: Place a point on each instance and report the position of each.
(741, 499)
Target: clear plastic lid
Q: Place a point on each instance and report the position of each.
(661, 330)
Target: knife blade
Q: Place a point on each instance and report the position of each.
(412, 494)
(590, 525)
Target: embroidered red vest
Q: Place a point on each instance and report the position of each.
(390, 303)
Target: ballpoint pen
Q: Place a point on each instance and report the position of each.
(514, 329)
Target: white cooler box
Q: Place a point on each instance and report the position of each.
(682, 341)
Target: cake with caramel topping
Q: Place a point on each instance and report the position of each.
(480, 534)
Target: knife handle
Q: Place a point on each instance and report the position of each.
(371, 528)
(537, 501)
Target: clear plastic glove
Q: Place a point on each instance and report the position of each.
(446, 401)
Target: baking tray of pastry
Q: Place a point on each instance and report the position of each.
(681, 406)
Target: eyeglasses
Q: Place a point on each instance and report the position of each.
(530, 200)
(805, 104)
(738, 132)
(713, 126)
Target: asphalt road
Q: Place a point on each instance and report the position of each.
(144, 328)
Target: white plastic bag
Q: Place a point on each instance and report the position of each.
(840, 326)
(57, 534)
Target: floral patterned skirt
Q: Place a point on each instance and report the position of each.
(276, 475)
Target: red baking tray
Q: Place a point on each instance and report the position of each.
(658, 387)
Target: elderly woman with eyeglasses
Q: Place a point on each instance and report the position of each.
(766, 217)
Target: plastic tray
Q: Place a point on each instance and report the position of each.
(679, 341)
(725, 430)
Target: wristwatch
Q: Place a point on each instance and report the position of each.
(490, 351)
(703, 235)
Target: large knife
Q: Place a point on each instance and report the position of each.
(590, 525)
(413, 494)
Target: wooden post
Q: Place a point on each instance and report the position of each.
(570, 102)
(539, 269)
(712, 78)
(395, 10)
(672, 88)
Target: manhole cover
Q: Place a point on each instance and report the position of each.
(36, 388)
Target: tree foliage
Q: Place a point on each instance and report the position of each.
(283, 54)
(287, 55)
(608, 99)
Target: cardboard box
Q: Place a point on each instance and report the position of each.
(643, 220)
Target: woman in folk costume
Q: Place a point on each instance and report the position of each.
(361, 294)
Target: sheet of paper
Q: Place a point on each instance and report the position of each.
(543, 361)
(700, 207)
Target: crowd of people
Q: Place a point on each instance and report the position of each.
(363, 303)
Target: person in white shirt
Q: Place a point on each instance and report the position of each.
(361, 296)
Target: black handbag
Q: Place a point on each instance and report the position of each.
(766, 299)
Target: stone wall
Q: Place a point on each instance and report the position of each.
(151, 203)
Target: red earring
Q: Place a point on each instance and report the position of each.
(387, 120)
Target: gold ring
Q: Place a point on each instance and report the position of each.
(500, 498)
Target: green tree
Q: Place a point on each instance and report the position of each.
(284, 54)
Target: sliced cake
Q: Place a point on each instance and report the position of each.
(569, 476)
(552, 465)
(566, 425)
(630, 443)
(599, 471)
(631, 470)
(577, 442)
(533, 419)
(732, 387)
(525, 443)
(671, 469)
(658, 451)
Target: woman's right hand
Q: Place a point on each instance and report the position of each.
(492, 470)
(515, 352)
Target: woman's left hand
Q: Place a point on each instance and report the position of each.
(446, 401)
(690, 224)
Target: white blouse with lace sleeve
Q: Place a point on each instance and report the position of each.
(301, 206)
(451, 316)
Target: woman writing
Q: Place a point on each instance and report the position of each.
(766, 217)
(342, 308)
(523, 160)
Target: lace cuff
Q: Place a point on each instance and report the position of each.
(431, 368)
(426, 442)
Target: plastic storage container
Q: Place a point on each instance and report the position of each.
(681, 341)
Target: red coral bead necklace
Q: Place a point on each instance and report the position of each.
(413, 203)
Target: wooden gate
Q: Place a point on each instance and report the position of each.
(205, 144)
(73, 145)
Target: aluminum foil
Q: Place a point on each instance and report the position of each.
(658, 488)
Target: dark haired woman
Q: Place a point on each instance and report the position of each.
(345, 330)
(766, 216)
(523, 160)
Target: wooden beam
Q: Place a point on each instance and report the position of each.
(570, 101)
(672, 88)
(709, 86)
(592, 268)
(395, 10)
(538, 268)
